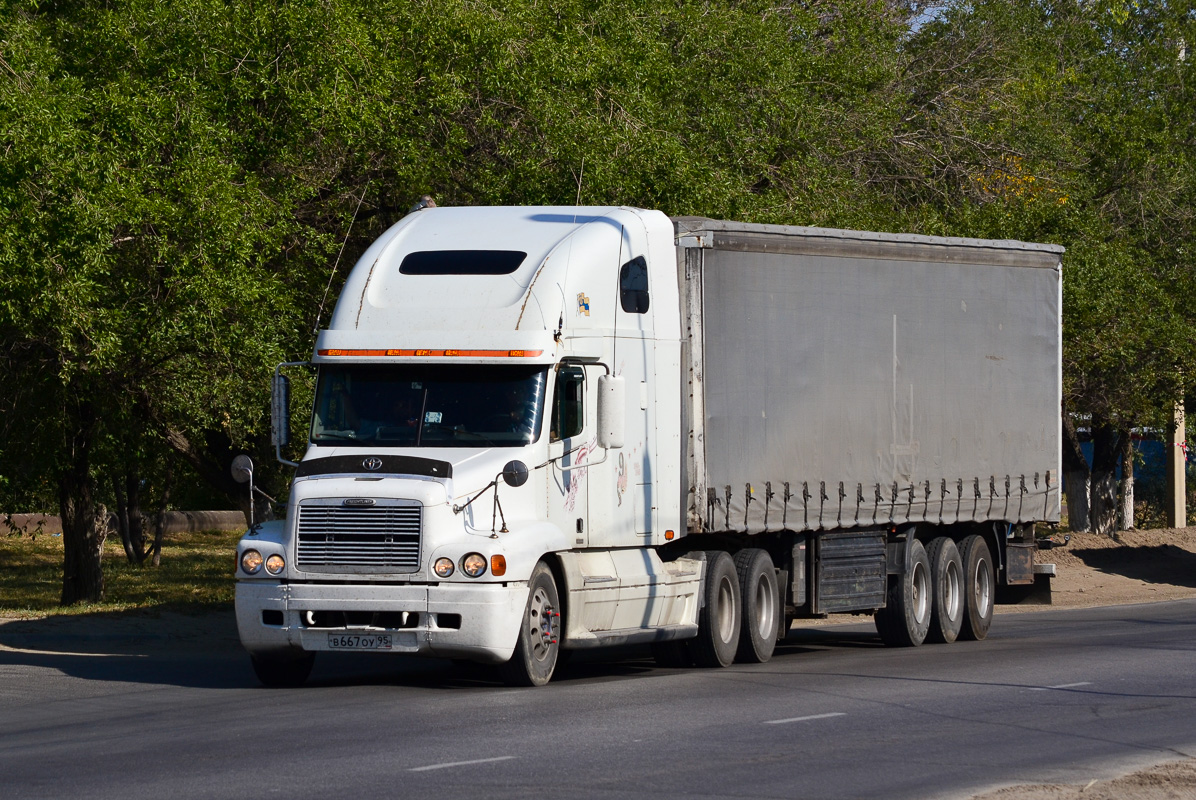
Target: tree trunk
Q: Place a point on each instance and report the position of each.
(130, 524)
(160, 520)
(1076, 477)
(122, 522)
(83, 529)
(136, 518)
(1102, 502)
(1127, 483)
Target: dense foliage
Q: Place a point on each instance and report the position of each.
(178, 177)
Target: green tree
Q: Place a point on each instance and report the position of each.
(1068, 122)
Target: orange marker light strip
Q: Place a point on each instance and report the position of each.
(435, 353)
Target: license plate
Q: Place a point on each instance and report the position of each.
(355, 641)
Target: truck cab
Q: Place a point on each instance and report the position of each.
(495, 423)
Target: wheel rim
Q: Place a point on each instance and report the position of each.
(954, 599)
(542, 619)
(726, 610)
(920, 593)
(765, 607)
(984, 591)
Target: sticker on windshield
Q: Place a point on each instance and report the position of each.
(433, 417)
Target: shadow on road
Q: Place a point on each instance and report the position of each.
(203, 651)
(1162, 563)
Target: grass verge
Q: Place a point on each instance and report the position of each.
(196, 575)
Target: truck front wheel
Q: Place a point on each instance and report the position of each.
(538, 646)
(719, 619)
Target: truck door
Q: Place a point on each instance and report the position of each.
(572, 445)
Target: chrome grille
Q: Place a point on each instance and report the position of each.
(383, 536)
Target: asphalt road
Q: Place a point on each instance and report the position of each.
(1054, 696)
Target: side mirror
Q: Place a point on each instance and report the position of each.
(242, 469)
(280, 411)
(514, 473)
(612, 411)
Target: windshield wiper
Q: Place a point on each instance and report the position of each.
(339, 437)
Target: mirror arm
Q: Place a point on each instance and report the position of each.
(457, 509)
(554, 461)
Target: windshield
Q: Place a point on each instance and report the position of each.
(428, 406)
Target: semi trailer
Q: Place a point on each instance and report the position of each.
(540, 429)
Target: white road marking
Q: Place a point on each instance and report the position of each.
(461, 763)
(1061, 686)
(805, 719)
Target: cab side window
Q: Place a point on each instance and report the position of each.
(633, 286)
(568, 407)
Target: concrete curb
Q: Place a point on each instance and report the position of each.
(176, 522)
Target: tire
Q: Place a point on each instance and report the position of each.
(905, 619)
(283, 672)
(979, 588)
(719, 619)
(538, 646)
(947, 605)
(673, 654)
(758, 593)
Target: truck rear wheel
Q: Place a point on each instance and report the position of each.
(905, 619)
(538, 646)
(946, 609)
(758, 593)
(978, 587)
(719, 619)
(283, 672)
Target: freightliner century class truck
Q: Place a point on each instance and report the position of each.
(545, 429)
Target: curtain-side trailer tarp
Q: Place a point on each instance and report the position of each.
(842, 379)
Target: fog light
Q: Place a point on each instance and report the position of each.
(473, 565)
(275, 564)
(443, 567)
(251, 562)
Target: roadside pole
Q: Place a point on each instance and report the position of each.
(1177, 492)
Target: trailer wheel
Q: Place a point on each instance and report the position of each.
(946, 609)
(978, 587)
(758, 592)
(905, 619)
(538, 646)
(283, 672)
(719, 619)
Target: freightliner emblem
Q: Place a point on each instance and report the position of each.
(372, 463)
(359, 501)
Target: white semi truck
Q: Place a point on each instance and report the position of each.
(543, 429)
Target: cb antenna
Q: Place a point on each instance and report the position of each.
(320, 311)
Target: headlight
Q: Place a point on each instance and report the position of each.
(443, 567)
(473, 565)
(275, 564)
(251, 562)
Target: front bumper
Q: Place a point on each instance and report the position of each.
(478, 622)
